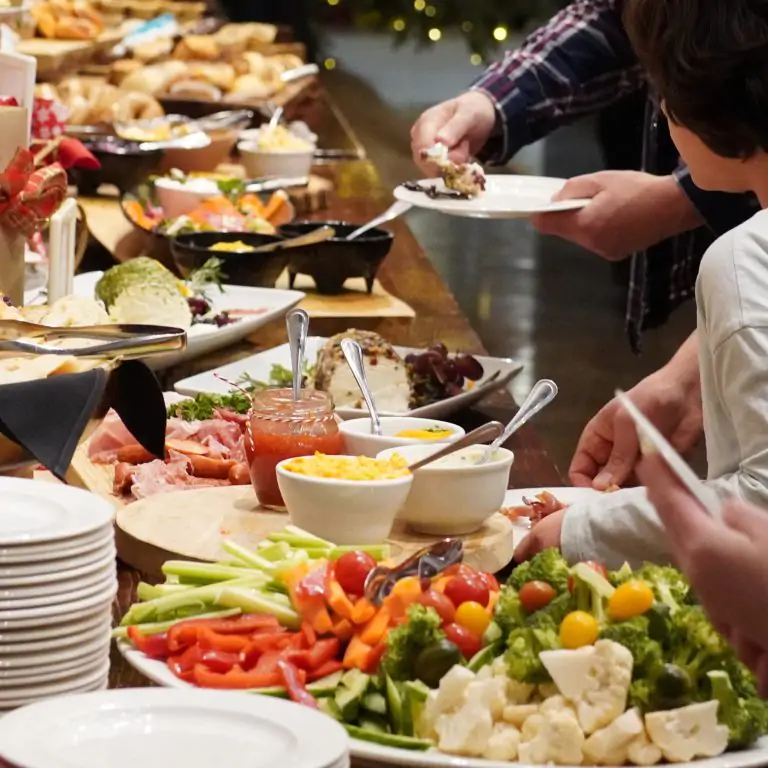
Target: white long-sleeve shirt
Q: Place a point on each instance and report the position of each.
(732, 312)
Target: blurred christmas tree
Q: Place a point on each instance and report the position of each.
(485, 24)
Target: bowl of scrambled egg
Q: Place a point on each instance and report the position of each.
(396, 431)
(345, 499)
(277, 151)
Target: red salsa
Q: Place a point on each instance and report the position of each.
(283, 429)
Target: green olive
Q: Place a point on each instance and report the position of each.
(435, 660)
(673, 683)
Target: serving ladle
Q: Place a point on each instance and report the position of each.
(355, 360)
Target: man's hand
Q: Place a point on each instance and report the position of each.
(543, 535)
(629, 212)
(608, 450)
(463, 124)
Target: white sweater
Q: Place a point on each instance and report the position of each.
(732, 309)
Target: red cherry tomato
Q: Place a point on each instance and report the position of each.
(536, 595)
(490, 580)
(467, 588)
(469, 643)
(597, 567)
(442, 605)
(352, 569)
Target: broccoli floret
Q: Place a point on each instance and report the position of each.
(669, 585)
(405, 642)
(508, 613)
(555, 612)
(548, 566)
(742, 679)
(641, 694)
(695, 644)
(634, 635)
(591, 590)
(624, 573)
(523, 648)
(745, 718)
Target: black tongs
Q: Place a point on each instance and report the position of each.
(128, 342)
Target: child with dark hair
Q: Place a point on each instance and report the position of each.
(708, 63)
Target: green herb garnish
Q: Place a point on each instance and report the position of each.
(203, 406)
(208, 275)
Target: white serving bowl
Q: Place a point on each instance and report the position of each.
(453, 500)
(179, 201)
(360, 442)
(343, 511)
(285, 163)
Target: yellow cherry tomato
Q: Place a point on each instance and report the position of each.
(578, 629)
(631, 599)
(474, 617)
(407, 587)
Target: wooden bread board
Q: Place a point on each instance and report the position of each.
(193, 524)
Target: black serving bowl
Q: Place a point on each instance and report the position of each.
(259, 270)
(123, 163)
(334, 261)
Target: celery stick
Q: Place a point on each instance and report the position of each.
(273, 552)
(141, 613)
(206, 572)
(157, 628)
(277, 598)
(146, 592)
(376, 551)
(302, 534)
(250, 601)
(251, 559)
(298, 542)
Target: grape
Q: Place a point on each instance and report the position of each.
(450, 371)
(198, 306)
(440, 349)
(451, 389)
(469, 367)
(410, 358)
(422, 365)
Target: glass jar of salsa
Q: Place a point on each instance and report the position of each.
(283, 429)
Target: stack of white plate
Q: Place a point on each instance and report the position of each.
(156, 727)
(57, 584)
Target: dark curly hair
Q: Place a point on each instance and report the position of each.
(708, 61)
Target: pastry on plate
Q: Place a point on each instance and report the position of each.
(465, 178)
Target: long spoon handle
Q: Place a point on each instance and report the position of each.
(542, 394)
(354, 355)
(297, 323)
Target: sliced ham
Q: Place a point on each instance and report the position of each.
(107, 440)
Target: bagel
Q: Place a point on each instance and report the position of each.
(196, 89)
(122, 68)
(135, 106)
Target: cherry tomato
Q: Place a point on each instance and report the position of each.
(490, 580)
(631, 599)
(597, 567)
(467, 588)
(474, 617)
(468, 642)
(442, 605)
(352, 569)
(578, 629)
(536, 595)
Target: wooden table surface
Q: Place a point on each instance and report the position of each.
(409, 275)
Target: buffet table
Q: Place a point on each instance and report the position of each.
(409, 275)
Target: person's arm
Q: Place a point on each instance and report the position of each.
(577, 64)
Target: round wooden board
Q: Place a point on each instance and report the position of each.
(193, 524)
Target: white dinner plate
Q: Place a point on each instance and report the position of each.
(21, 656)
(505, 197)
(35, 617)
(79, 626)
(498, 372)
(147, 727)
(47, 594)
(158, 672)
(62, 558)
(31, 693)
(35, 513)
(45, 576)
(18, 677)
(269, 303)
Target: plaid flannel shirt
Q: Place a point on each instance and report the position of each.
(578, 64)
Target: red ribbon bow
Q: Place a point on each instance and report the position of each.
(29, 197)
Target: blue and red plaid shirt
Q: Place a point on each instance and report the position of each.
(578, 64)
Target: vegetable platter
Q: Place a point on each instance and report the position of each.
(562, 665)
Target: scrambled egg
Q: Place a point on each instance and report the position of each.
(433, 433)
(280, 139)
(238, 247)
(348, 468)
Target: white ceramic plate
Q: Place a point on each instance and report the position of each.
(199, 729)
(52, 577)
(42, 595)
(270, 303)
(158, 672)
(505, 197)
(23, 676)
(34, 513)
(498, 373)
(75, 684)
(35, 617)
(22, 655)
(74, 627)
(58, 557)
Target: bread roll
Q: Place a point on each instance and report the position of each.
(122, 68)
(155, 79)
(153, 50)
(197, 48)
(220, 75)
(250, 87)
(135, 106)
(196, 89)
(102, 103)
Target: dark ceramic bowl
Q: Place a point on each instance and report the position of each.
(122, 164)
(334, 261)
(259, 270)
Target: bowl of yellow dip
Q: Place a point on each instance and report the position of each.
(344, 499)
(396, 431)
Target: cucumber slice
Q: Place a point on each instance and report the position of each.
(329, 707)
(323, 688)
(389, 739)
(351, 692)
(371, 722)
(484, 657)
(375, 703)
(395, 704)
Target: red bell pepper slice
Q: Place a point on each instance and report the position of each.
(322, 652)
(293, 684)
(312, 586)
(219, 661)
(267, 663)
(154, 646)
(329, 668)
(235, 679)
(209, 640)
(183, 666)
(309, 634)
(184, 633)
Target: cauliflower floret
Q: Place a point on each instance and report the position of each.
(518, 714)
(519, 693)
(687, 733)
(558, 740)
(605, 745)
(532, 727)
(488, 694)
(557, 704)
(642, 752)
(448, 698)
(503, 744)
(465, 733)
(596, 679)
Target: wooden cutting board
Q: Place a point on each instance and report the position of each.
(193, 524)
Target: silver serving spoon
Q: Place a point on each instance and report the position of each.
(277, 116)
(354, 356)
(297, 323)
(394, 210)
(482, 434)
(319, 235)
(542, 394)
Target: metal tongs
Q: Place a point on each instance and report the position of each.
(129, 342)
(426, 564)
